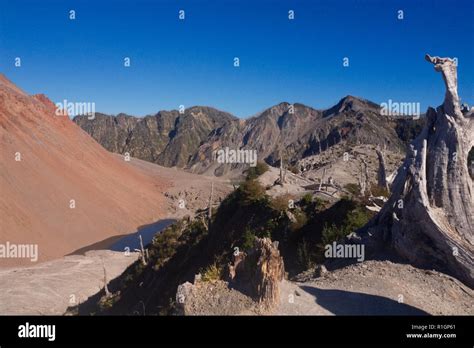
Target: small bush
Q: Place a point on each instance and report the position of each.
(306, 200)
(251, 191)
(332, 233)
(248, 239)
(304, 255)
(165, 245)
(378, 191)
(311, 205)
(353, 189)
(212, 273)
(357, 218)
(281, 203)
(301, 220)
(108, 302)
(255, 172)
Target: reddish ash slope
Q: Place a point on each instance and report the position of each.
(60, 162)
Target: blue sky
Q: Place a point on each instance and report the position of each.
(190, 62)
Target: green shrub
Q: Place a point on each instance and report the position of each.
(304, 255)
(353, 189)
(251, 191)
(332, 233)
(248, 239)
(212, 273)
(357, 218)
(281, 203)
(255, 172)
(378, 191)
(165, 244)
(306, 200)
(301, 220)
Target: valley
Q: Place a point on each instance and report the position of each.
(161, 204)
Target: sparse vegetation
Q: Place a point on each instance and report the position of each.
(353, 189)
(301, 220)
(307, 199)
(187, 247)
(248, 239)
(255, 172)
(379, 191)
(212, 273)
(281, 203)
(332, 233)
(304, 252)
(251, 191)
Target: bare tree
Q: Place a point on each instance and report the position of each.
(282, 169)
(209, 213)
(382, 172)
(142, 251)
(322, 179)
(364, 178)
(106, 281)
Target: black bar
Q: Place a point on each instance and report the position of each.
(347, 330)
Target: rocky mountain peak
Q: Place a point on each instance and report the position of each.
(189, 139)
(350, 103)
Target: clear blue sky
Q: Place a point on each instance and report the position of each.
(190, 62)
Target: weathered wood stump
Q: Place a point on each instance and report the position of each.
(429, 216)
(259, 272)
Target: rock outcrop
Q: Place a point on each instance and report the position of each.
(429, 219)
(168, 138)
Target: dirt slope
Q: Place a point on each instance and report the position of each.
(60, 163)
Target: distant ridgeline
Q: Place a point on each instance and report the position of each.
(189, 138)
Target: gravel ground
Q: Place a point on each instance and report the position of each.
(377, 288)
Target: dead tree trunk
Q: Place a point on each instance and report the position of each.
(364, 178)
(322, 179)
(282, 171)
(382, 172)
(209, 213)
(429, 216)
(142, 251)
(106, 281)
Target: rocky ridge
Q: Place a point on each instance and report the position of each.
(292, 131)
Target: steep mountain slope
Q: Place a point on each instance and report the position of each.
(167, 138)
(59, 189)
(294, 130)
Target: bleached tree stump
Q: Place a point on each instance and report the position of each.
(429, 216)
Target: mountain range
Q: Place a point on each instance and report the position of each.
(294, 131)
